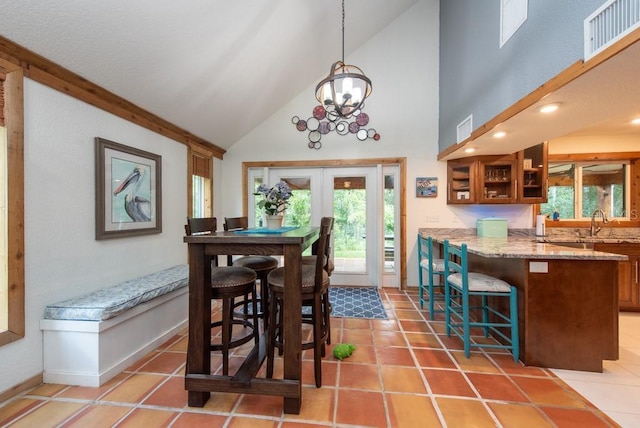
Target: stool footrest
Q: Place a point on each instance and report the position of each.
(237, 342)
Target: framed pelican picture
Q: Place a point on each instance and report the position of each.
(128, 191)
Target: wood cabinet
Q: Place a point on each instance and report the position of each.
(497, 180)
(519, 178)
(628, 274)
(482, 180)
(532, 175)
(567, 314)
(461, 181)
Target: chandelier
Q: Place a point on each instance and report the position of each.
(345, 88)
(341, 95)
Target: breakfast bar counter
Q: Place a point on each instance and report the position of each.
(567, 297)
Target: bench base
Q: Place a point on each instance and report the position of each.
(89, 353)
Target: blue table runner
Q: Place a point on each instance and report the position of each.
(265, 230)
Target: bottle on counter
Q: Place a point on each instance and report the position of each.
(556, 215)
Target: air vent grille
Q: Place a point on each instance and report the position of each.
(610, 22)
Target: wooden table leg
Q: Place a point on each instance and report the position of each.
(293, 325)
(198, 353)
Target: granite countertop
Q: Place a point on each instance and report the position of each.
(524, 246)
(590, 239)
(608, 235)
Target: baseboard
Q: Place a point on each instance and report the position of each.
(18, 389)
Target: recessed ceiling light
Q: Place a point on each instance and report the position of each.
(636, 121)
(499, 134)
(549, 108)
(469, 150)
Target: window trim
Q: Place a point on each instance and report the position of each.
(14, 124)
(579, 185)
(199, 163)
(634, 185)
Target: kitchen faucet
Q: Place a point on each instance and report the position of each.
(594, 226)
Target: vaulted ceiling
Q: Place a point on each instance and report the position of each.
(214, 68)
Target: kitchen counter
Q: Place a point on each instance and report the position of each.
(589, 240)
(567, 297)
(522, 247)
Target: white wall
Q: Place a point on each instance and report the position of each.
(402, 63)
(62, 257)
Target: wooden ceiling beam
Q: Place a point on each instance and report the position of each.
(44, 71)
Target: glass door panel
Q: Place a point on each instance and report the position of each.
(351, 199)
(350, 229)
(298, 212)
(306, 189)
(390, 197)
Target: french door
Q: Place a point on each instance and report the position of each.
(362, 245)
(350, 197)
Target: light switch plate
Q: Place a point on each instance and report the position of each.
(539, 267)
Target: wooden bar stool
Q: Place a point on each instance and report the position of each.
(261, 265)
(461, 286)
(228, 283)
(434, 268)
(329, 267)
(315, 289)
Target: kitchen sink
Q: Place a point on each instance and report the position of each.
(581, 245)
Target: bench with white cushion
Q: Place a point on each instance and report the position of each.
(89, 339)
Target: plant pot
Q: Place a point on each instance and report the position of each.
(274, 221)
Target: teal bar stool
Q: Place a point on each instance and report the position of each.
(432, 267)
(461, 286)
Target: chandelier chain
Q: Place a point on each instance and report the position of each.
(342, 31)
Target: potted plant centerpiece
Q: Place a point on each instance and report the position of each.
(274, 202)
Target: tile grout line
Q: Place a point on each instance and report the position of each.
(531, 402)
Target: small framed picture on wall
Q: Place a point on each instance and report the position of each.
(426, 187)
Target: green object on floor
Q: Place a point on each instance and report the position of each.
(343, 350)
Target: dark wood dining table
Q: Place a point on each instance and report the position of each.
(199, 382)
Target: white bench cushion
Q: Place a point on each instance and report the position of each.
(108, 302)
(480, 282)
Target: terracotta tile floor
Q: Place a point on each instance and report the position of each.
(404, 373)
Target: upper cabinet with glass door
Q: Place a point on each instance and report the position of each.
(461, 181)
(497, 180)
(482, 180)
(519, 178)
(532, 174)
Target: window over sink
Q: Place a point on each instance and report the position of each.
(578, 189)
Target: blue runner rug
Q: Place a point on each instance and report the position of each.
(356, 302)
